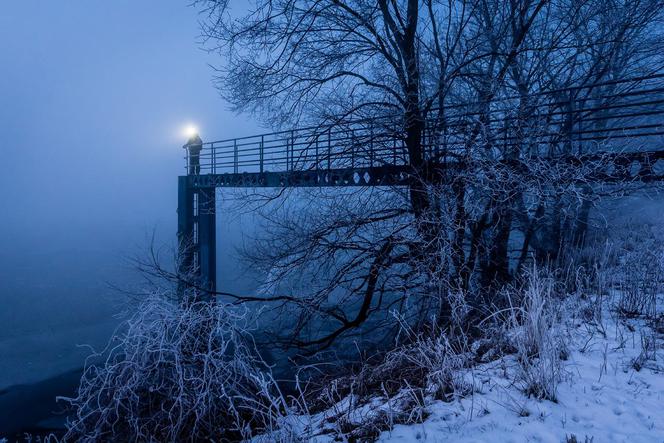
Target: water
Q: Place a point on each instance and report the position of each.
(33, 408)
(59, 297)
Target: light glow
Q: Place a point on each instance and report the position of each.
(190, 131)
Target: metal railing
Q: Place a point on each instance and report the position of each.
(612, 116)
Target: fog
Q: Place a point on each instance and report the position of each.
(94, 98)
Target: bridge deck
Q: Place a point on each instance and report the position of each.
(625, 125)
(607, 135)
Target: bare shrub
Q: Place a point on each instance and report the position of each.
(648, 349)
(397, 387)
(366, 424)
(532, 323)
(438, 358)
(428, 360)
(573, 439)
(639, 281)
(625, 266)
(177, 372)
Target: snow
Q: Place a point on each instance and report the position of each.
(602, 399)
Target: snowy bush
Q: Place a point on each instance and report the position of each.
(177, 373)
(641, 273)
(533, 327)
(435, 356)
(397, 386)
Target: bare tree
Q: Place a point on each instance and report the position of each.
(493, 89)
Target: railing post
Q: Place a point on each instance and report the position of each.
(262, 147)
(317, 137)
(371, 147)
(292, 150)
(235, 157)
(329, 149)
(352, 148)
(214, 161)
(287, 152)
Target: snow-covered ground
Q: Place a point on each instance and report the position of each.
(602, 399)
(611, 391)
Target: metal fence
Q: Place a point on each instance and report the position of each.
(611, 116)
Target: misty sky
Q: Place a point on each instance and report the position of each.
(94, 97)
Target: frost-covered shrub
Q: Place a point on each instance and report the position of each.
(625, 264)
(427, 362)
(177, 372)
(639, 280)
(440, 361)
(533, 327)
(396, 387)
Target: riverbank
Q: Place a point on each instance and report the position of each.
(33, 409)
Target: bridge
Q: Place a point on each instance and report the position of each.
(613, 129)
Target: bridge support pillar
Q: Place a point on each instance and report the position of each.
(196, 236)
(207, 238)
(186, 241)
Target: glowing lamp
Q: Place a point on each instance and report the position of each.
(190, 131)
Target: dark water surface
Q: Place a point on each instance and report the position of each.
(58, 298)
(32, 409)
